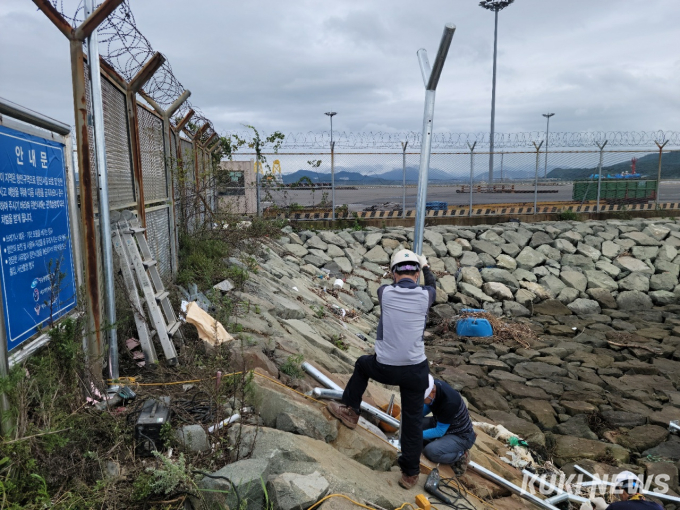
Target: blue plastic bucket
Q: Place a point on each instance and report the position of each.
(474, 327)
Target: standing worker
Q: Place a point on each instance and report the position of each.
(448, 434)
(399, 357)
(628, 486)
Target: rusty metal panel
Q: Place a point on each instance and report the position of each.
(121, 184)
(152, 155)
(158, 237)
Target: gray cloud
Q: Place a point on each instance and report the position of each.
(280, 65)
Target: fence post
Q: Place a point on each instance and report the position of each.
(538, 148)
(502, 154)
(257, 186)
(403, 167)
(333, 181)
(472, 172)
(431, 79)
(599, 172)
(658, 175)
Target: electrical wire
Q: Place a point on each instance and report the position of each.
(217, 477)
(355, 502)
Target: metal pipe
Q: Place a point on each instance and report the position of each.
(673, 426)
(472, 171)
(547, 134)
(599, 172)
(493, 97)
(104, 220)
(490, 475)
(320, 376)
(332, 178)
(658, 175)
(23, 114)
(228, 421)
(561, 494)
(560, 498)
(403, 168)
(431, 79)
(538, 148)
(337, 395)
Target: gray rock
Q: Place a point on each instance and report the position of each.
(524, 275)
(506, 262)
(658, 232)
(588, 251)
(470, 259)
(634, 300)
(608, 267)
(286, 309)
(664, 266)
(549, 252)
(497, 291)
(584, 306)
(538, 290)
(623, 419)
(575, 280)
(481, 246)
(377, 255)
(329, 237)
(512, 250)
(663, 297)
(472, 291)
(641, 239)
(316, 243)
(529, 258)
(455, 250)
(296, 249)
(344, 264)
(515, 309)
(633, 265)
(539, 238)
(224, 286)
(564, 246)
(247, 476)
(523, 428)
(635, 281)
(577, 260)
(193, 438)
(611, 250)
(471, 275)
(448, 284)
(354, 256)
(604, 297)
(576, 426)
(372, 239)
(538, 370)
(568, 295)
(667, 252)
(499, 275)
(552, 283)
(525, 297)
(292, 491)
(645, 252)
(600, 280)
(519, 237)
(334, 251)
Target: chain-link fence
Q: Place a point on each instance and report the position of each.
(311, 182)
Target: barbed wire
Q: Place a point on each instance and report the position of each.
(393, 141)
(126, 49)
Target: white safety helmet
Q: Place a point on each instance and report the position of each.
(405, 256)
(628, 481)
(430, 385)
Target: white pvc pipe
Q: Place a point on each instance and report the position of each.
(233, 418)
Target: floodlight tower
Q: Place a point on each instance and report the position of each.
(547, 132)
(495, 6)
(331, 114)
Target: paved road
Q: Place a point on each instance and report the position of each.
(361, 197)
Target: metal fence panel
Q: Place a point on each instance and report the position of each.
(119, 168)
(153, 155)
(159, 236)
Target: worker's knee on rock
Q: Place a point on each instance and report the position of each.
(434, 454)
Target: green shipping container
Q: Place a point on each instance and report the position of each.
(614, 190)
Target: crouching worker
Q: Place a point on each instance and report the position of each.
(448, 434)
(399, 357)
(627, 485)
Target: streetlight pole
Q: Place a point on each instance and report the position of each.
(547, 132)
(331, 114)
(494, 5)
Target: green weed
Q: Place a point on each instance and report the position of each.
(293, 367)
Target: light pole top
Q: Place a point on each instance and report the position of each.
(495, 5)
(548, 115)
(330, 114)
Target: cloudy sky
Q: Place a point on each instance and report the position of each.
(599, 65)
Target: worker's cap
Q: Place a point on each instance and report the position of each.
(406, 260)
(628, 481)
(430, 385)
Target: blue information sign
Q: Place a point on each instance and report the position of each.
(38, 280)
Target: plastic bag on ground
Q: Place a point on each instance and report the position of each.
(209, 330)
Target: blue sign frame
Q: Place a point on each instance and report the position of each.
(38, 277)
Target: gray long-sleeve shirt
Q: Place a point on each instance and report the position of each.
(404, 306)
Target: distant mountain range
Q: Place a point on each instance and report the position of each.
(646, 165)
(367, 176)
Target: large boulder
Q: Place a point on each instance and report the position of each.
(293, 491)
(577, 426)
(377, 255)
(633, 300)
(633, 265)
(583, 306)
(529, 258)
(499, 275)
(571, 448)
(525, 429)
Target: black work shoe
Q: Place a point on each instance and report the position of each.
(408, 482)
(345, 414)
(460, 466)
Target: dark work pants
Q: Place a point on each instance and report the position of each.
(412, 381)
(448, 448)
